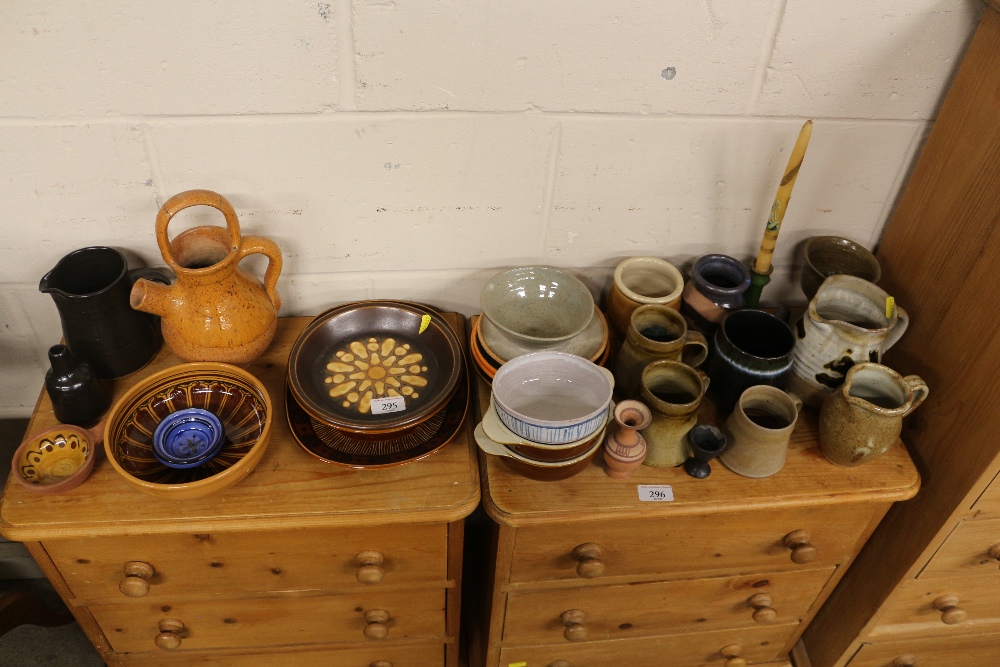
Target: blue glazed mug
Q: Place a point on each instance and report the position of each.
(750, 348)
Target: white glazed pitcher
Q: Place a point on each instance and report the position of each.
(848, 321)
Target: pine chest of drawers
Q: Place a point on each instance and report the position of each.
(585, 574)
(300, 564)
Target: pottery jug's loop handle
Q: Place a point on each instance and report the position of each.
(796, 401)
(184, 200)
(705, 380)
(698, 344)
(258, 244)
(918, 391)
(902, 321)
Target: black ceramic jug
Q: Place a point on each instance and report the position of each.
(91, 289)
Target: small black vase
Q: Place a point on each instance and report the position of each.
(78, 397)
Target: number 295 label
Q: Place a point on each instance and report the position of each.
(381, 406)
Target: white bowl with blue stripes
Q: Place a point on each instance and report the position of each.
(552, 397)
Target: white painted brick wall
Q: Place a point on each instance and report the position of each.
(412, 149)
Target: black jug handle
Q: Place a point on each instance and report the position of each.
(156, 275)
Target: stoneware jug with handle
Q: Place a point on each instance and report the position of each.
(864, 418)
(215, 311)
(850, 320)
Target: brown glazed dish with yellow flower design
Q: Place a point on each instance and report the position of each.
(354, 361)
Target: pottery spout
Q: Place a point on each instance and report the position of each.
(150, 297)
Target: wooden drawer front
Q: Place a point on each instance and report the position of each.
(967, 551)
(721, 543)
(239, 623)
(920, 606)
(239, 563)
(643, 610)
(756, 645)
(969, 651)
(989, 502)
(399, 656)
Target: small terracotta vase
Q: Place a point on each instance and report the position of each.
(215, 311)
(865, 417)
(625, 448)
(673, 392)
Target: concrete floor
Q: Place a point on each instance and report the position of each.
(31, 645)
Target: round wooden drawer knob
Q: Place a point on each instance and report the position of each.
(381, 663)
(376, 624)
(951, 613)
(588, 556)
(369, 567)
(762, 611)
(560, 663)
(136, 581)
(802, 551)
(170, 634)
(732, 655)
(573, 620)
(995, 552)
(905, 661)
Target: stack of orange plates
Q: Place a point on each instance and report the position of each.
(491, 347)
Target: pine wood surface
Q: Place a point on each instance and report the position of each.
(244, 623)
(939, 258)
(245, 563)
(958, 651)
(758, 645)
(658, 608)
(288, 489)
(721, 543)
(967, 552)
(807, 479)
(401, 655)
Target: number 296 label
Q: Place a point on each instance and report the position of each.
(381, 406)
(655, 493)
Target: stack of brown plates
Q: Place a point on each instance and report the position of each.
(376, 383)
(491, 347)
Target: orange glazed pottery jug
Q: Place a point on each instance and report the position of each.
(215, 311)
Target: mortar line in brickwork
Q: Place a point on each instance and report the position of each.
(552, 178)
(768, 42)
(327, 115)
(346, 65)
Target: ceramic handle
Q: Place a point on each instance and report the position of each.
(732, 655)
(573, 620)
(796, 401)
(951, 613)
(695, 339)
(487, 444)
(253, 245)
(762, 610)
(918, 391)
(902, 322)
(376, 624)
(369, 567)
(96, 434)
(170, 634)
(705, 380)
(184, 200)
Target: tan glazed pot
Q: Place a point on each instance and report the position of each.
(865, 417)
(215, 311)
(655, 333)
(641, 281)
(673, 392)
(758, 431)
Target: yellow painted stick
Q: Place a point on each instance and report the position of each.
(773, 226)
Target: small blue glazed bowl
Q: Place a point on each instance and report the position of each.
(188, 438)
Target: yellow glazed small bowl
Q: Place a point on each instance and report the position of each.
(236, 397)
(57, 459)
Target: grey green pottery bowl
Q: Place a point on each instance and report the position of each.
(538, 305)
